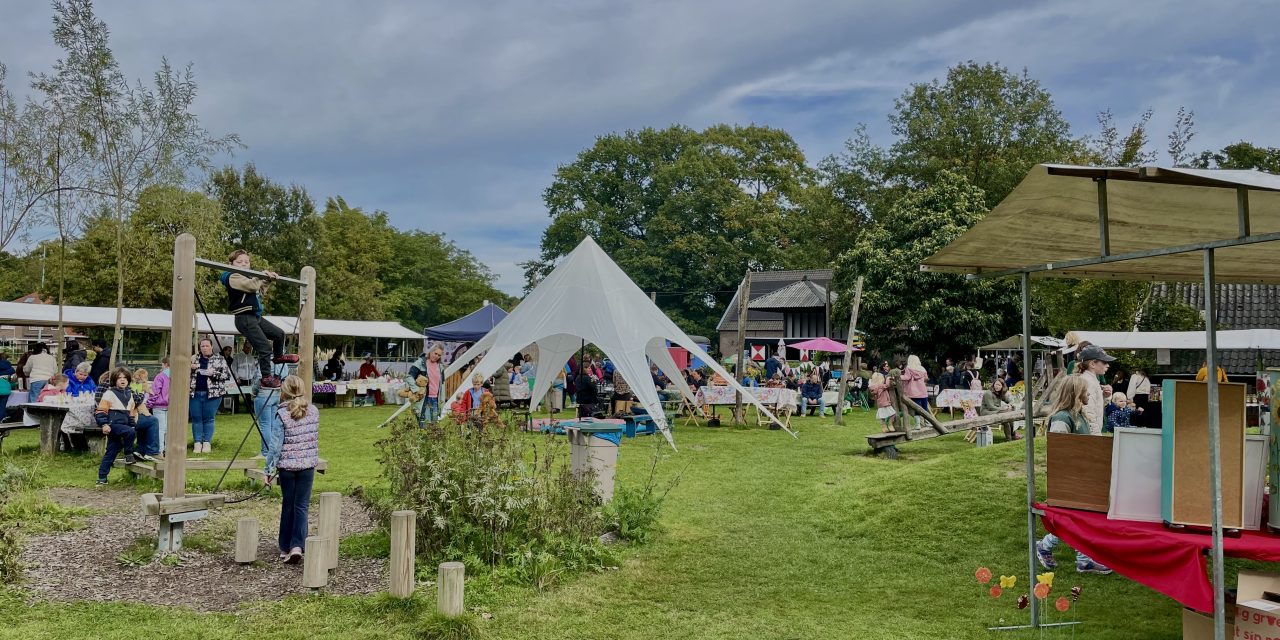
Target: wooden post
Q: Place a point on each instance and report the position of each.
(246, 540)
(449, 589)
(845, 373)
(184, 294)
(314, 573)
(744, 292)
(403, 550)
(307, 331)
(330, 515)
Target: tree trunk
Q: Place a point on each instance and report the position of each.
(116, 336)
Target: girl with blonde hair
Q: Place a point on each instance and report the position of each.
(299, 455)
(914, 388)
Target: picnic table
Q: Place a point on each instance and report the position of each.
(768, 396)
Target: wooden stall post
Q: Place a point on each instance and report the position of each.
(449, 589)
(246, 540)
(184, 294)
(307, 331)
(740, 367)
(845, 367)
(403, 550)
(330, 514)
(314, 573)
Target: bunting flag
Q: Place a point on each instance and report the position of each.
(758, 352)
(804, 355)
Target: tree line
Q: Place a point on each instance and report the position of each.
(99, 174)
(686, 213)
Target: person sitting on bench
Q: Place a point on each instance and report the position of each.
(811, 395)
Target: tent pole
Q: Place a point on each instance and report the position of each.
(1029, 434)
(1215, 461)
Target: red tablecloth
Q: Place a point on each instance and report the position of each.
(1174, 564)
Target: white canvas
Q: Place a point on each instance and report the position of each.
(1135, 475)
(589, 298)
(1255, 471)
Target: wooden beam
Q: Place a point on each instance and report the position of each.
(307, 332)
(330, 513)
(155, 505)
(184, 292)
(246, 540)
(314, 573)
(848, 353)
(744, 294)
(449, 597)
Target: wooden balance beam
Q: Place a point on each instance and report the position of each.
(156, 470)
(888, 442)
(259, 476)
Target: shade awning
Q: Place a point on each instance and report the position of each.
(1053, 217)
(1253, 339)
(1015, 343)
(468, 328)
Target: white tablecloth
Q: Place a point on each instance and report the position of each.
(767, 396)
(952, 398)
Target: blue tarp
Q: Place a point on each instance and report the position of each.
(468, 328)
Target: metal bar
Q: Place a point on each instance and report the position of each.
(1133, 255)
(1215, 461)
(1104, 227)
(1028, 435)
(1242, 208)
(1028, 626)
(200, 262)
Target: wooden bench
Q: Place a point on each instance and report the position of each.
(7, 427)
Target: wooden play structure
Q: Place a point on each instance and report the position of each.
(175, 506)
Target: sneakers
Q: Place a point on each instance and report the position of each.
(295, 556)
(129, 458)
(271, 382)
(144, 457)
(288, 358)
(1089, 566)
(1045, 557)
(101, 483)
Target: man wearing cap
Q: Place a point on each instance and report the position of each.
(1094, 362)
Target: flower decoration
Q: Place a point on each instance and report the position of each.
(1041, 591)
(996, 591)
(1008, 582)
(1061, 604)
(1045, 578)
(983, 575)
(1023, 601)
(1075, 593)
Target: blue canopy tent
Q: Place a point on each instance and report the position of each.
(469, 328)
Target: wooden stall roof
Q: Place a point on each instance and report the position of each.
(1052, 217)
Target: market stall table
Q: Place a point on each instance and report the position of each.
(955, 398)
(1172, 563)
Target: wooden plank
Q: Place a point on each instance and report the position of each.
(1186, 433)
(246, 540)
(219, 465)
(1078, 471)
(150, 470)
(403, 545)
(167, 506)
(184, 309)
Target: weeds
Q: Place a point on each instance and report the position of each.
(202, 542)
(138, 554)
(440, 627)
(634, 511)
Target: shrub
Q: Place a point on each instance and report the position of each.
(633, 513)
(490, 497)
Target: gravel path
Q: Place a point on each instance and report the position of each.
(82, 565)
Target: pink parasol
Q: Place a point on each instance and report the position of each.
(820, 344)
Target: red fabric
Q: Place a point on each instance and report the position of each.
(1174, 564)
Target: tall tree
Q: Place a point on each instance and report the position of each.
(984, 123)
(431, 280)
(352, 247)
(1241, 155)
(683, 212)
(925, 313)
(136, 135)
(277, 225)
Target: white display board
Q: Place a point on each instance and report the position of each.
(1135, 475)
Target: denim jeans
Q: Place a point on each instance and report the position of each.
(430, 410)
(120, 439)
(148, 436)
(295, 487)
(266, 338)
(265, 405)
(203, 410)
(805, 403)
(162, 425)
(36, 386)
(1049, 541)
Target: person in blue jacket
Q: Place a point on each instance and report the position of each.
(79, 381)
(811, 395)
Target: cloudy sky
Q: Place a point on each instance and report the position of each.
(453, 116)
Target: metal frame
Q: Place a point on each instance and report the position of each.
(1244, 237)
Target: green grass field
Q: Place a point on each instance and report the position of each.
(765, 537)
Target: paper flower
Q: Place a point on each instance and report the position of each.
(983, 575)
(1045, 578)
(1041, 591)
(1008, 582)
(1023, 601)
(995, 591)
(1075, 593)
(1061, 604)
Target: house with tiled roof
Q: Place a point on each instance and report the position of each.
(781, 305)
(1240, 306)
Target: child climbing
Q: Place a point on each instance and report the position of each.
(244, 300)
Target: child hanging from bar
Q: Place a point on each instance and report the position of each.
(244, 301)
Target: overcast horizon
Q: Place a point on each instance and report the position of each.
(454, 118)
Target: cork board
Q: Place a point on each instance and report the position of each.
(1078, 471)
(1192, 498)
